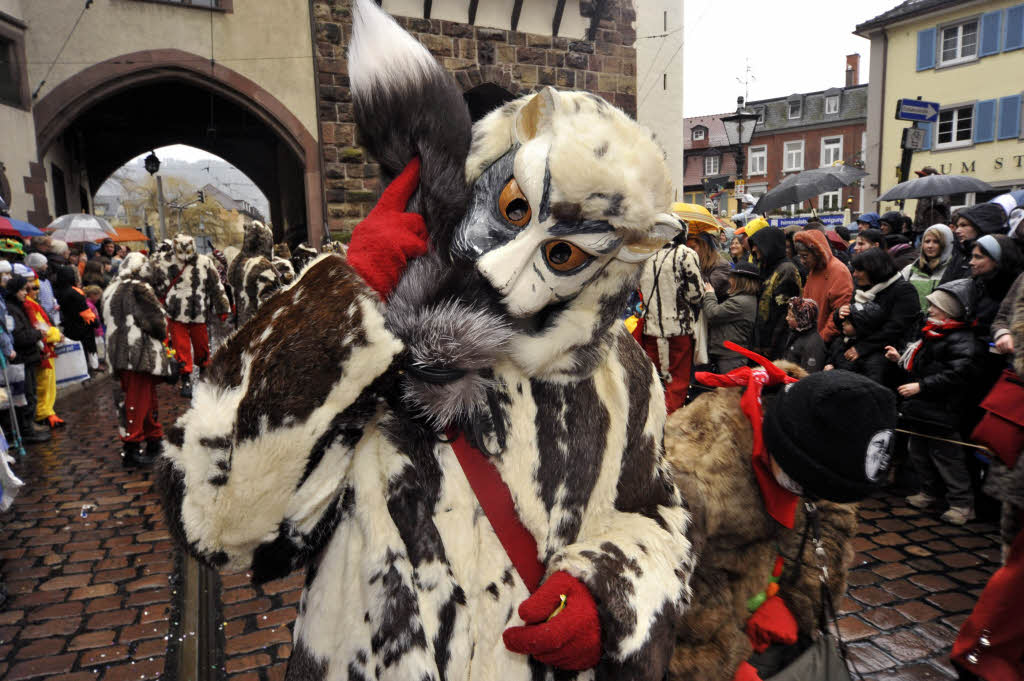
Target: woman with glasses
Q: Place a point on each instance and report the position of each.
(46, 378)
(27, 342)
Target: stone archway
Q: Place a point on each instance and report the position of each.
(62, 106)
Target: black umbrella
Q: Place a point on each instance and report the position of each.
(796, 189)
(934, 185)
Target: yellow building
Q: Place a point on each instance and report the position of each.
(968, 56)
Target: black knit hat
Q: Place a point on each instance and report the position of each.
(746, 269)
(832, 433)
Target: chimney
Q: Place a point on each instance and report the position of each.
(852, 70)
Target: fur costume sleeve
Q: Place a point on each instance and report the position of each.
(151, 317)
(635, 555)
(255, 473)
(215, 293)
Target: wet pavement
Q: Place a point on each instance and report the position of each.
(92, 574)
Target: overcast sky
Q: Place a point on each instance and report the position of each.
(793, 46)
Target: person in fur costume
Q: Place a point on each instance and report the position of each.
(463, 446)
(251, 275)
(194, 297)
(136, 330)
(753, 590)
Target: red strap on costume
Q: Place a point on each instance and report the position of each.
(778, 501)
(496, 501)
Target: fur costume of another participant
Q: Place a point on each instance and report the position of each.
(327, 449)
(251, 275)
(197, 294)
(709, 443)
(135, 320)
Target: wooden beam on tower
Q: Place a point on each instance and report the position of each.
(557, 21)
(426, 8)
(472, 11)
(517, 9)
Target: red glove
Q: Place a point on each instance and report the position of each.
(572, 638)
(388, 238)
(746, 672)
(223, 316)
(771, 623)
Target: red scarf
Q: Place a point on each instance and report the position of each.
(936, 330)
(36, 313)
(778, 501)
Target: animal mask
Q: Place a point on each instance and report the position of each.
(184, 248)
(564, 184)
(258, 240)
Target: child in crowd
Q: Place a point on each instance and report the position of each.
(46, 378)
(733, 318)
(862, 320)
(940, 368)
(93, 294)
(804, 346)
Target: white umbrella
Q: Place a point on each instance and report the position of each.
(78, 227)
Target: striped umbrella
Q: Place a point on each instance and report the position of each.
(20, 228)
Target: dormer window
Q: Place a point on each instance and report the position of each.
(832, 104)
(796, 109)
(699, 133)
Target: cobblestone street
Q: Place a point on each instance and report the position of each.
(91, 575)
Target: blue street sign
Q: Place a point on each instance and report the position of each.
(916, 110)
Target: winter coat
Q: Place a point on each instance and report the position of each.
(781, 282)
(835, 353)
(945, 368)
(136, 327)
(197, 296)
(830, 286)
(901, 311)
(709, 444)
(989, 293)
(73, 304)
(672, 288)
(6, 342)
(27, 338)
(299, 451)
(730, 320)
(805, 349)
(1004, 317)
(925, 276)
(251, 275)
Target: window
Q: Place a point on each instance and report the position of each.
(711, 165)
(760, 116)
(699, 133)
(758, 163)
(830, 200)
(956, 127)
(831, 150)
(793, 156)
(664, 81)
(13, 78)
(796, 109)
(60, 196)
(958, 43)
(832, 104)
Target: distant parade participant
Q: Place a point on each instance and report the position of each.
(251, 274)
(194, 296)
(136, 329)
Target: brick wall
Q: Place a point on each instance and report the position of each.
(519, 62)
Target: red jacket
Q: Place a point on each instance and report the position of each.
(830, 286)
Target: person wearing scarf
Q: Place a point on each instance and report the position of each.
(926, 273)
(27, 342)
(804, 347)
(938, 371)
(878, 281)
(46, 377)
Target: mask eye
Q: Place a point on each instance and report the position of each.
(513, 206)
(563, 256)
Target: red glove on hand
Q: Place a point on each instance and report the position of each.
(223, 316)
(388, 238)
(572, 639)
(771, 623)
(746, 672)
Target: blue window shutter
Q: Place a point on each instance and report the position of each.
(927, 127)
(991, 33)
(1009, 117)
(926, 49)
(1014, 39)
(985, 121)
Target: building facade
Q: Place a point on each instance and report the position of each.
(965, 56)
(810, 130)
(710, 164)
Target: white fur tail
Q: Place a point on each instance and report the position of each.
(382, 55)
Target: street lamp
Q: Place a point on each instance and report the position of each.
(739, 129)
(152, 164)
